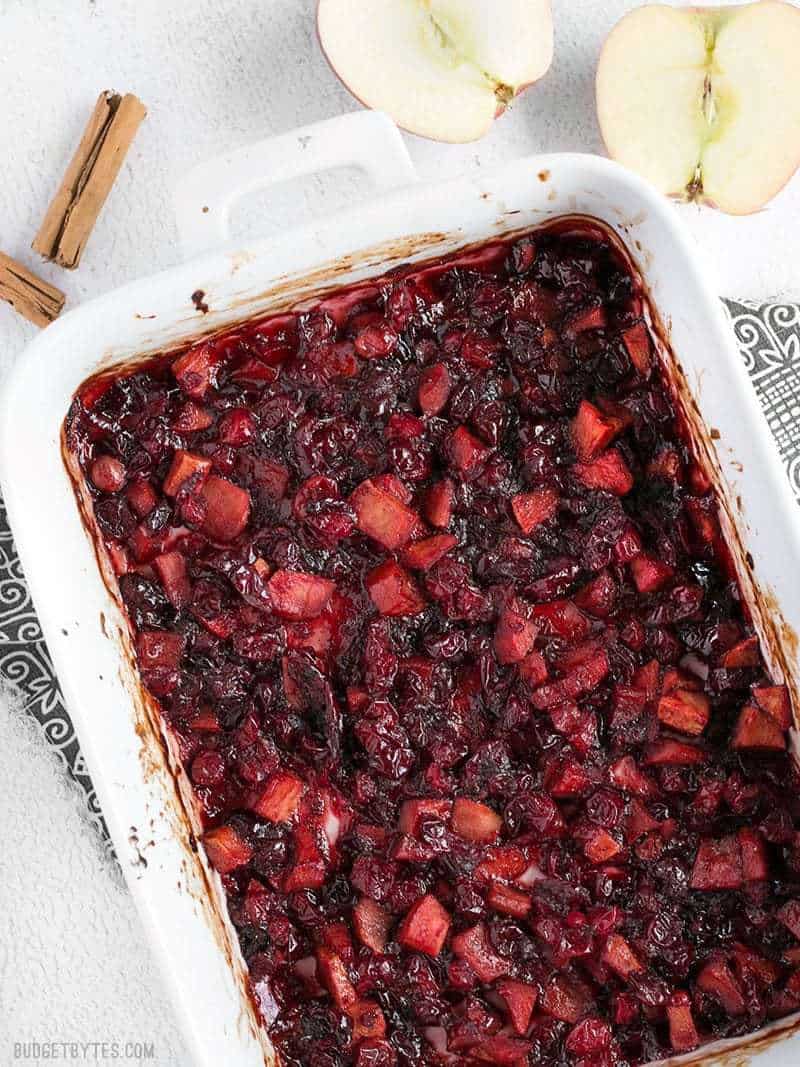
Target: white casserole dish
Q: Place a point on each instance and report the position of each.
(86, 634)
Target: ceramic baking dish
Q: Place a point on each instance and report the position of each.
(137, 785)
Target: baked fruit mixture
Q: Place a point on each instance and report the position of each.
(437, 608)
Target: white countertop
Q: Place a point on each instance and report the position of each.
(215, 75)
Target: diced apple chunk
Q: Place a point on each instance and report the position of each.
(608, 472)
(774, 700)
(280, 798)
(369, 1022)
(668, 752)
(520, 999)
(504, 862)
(683, 1034)
(475, 821)
(649, 574)
(393, 591)
(474, 946)
(380, 515)
(743, 654)
(508, 901)
(371, 923)
(159, 650)
(593, 318)
(514, 636)
(561, 618)
(755, 861)
(296, 595)
(195, 370)
(626, 774)
(186, 466)
(467, 455)
(172, 572)
(620, 956)
(565, 1000)
(685, 711)
(637, 343)
(332, 974)
(425, 927)
(227, 509)
(226, 849)
(755, 729)
(718, 864)
(503, 1051)
(593, 431)
(532, 509)
(600, 846)
(439, 504)
(421, 555)
(434, 389)
(717, 980)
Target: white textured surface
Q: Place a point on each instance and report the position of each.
(215, 74)
(72, 963)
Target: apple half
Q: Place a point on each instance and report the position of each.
(441, 68)
(705, 102)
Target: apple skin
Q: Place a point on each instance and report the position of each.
(774, 21)
(500, 109)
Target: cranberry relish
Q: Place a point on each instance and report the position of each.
(435, 603)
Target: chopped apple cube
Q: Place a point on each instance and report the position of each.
(296, 595)
(186, 467)
(434, 389)
(649, 574)
(475, 821)
(593, 431)
(718, 864)
(468, 456)
(227, 509)
(608, 472)
(683, 1034)
(520, 1000)
(380, 515)
(532, 509)
(474, 946)
(756, 729)
(371, 923)
(619, 955)
(685, 710)
(226, 849)
(717, 980)
(514, 636)
(280, 798)
(393, 591)
(332, 973)
(425, 927)
(774, 700)
(421, 555)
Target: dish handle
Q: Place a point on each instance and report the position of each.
(368, 140)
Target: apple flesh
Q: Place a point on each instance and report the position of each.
(705, 102)
(443, 69)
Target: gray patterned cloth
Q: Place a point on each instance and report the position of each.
(768, 336)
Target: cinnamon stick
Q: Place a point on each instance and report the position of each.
(28, 294)
(71, 216)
